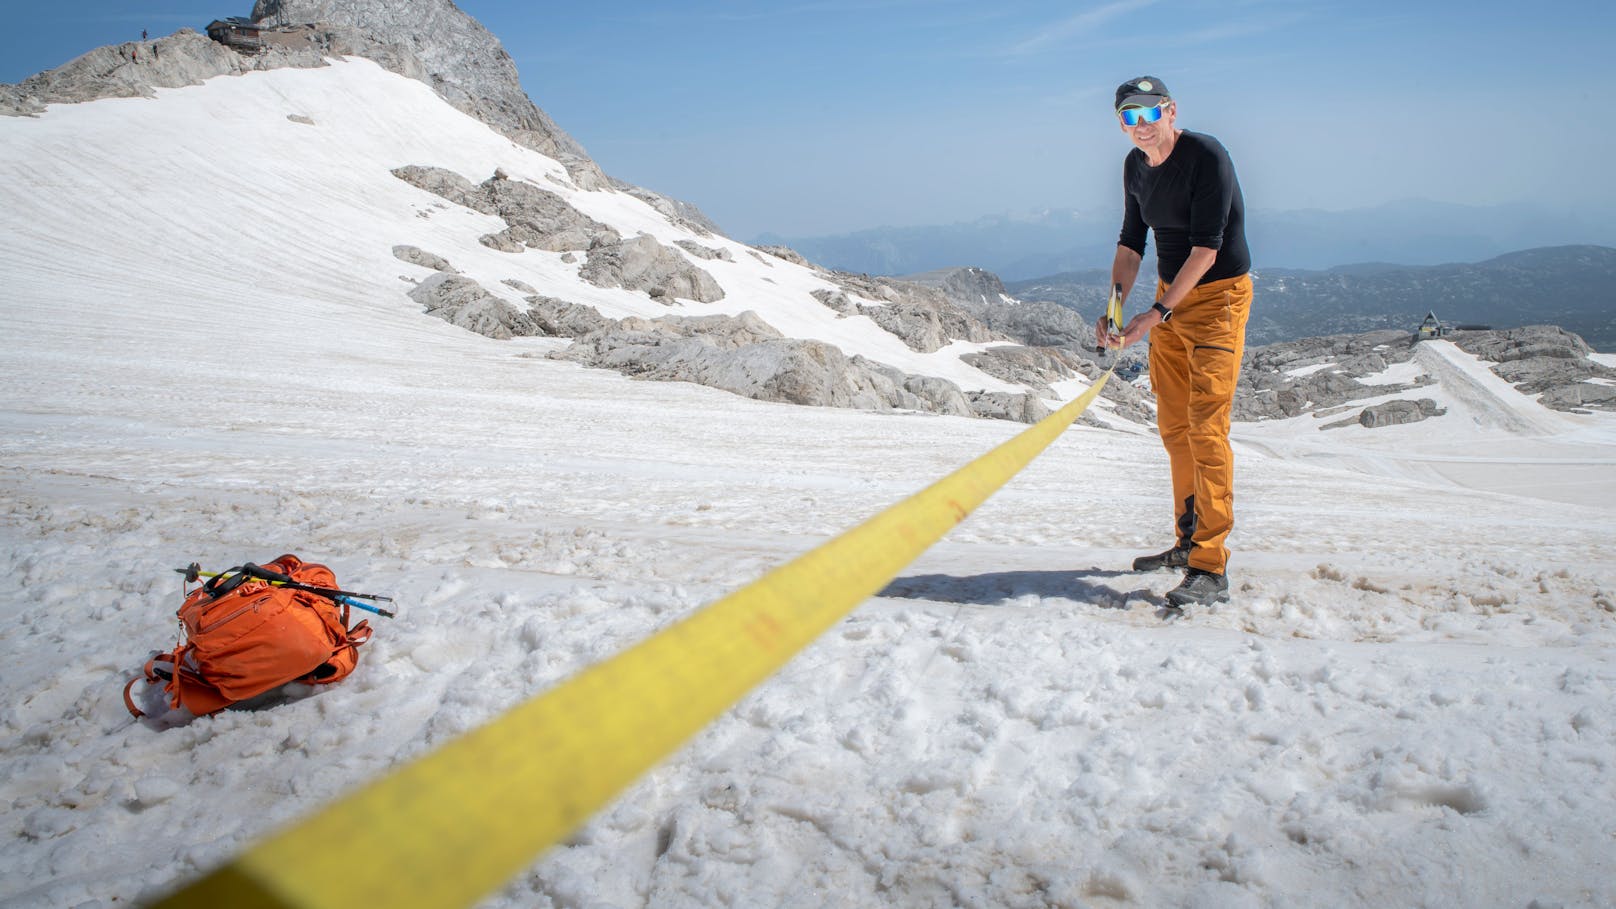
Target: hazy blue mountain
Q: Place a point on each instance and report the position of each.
(1573, 287)
(1055, 241)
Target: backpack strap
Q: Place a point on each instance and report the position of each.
(129, 701)
(153, 675)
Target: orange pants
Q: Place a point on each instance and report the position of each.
(1194, 364)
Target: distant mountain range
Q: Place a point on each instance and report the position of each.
(1061, 240)
(1573, 287)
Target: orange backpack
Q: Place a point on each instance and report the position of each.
(244, 636)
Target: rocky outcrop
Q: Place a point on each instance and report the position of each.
(1391, 413)
(642, 264)
(1039, 323)
(535, 217)
(741, 354)
(786, 253)
(1000, 405)
(923, 317)
(1321, 375)
(564, 319)
(1547, 361)
(417, 256)
(966, 286)
(1030, 366)
(444, 183)
(539, 219)
(437, 43)
(462, 301)
(136, 69)
(677, 211)
(835, 300)
(744, 355)
(704, 252)
(1531, 342)
(431, 41)
(1290, 379)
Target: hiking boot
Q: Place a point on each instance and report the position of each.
(1199, 588)
(1177, 557)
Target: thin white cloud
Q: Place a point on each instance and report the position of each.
(1220, 33)
(1081, 24)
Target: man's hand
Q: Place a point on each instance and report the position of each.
(1103, 338)
(1136, 330)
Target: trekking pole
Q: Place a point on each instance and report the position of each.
(194, 571)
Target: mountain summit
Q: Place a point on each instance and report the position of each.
(439, 44)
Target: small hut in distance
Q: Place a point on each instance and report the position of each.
(246, 36)
(238, 32)
(1433, 327)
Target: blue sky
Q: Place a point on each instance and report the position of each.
(824, 116)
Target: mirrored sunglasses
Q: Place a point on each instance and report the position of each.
(1133, 116)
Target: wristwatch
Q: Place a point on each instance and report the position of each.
(1165, 312)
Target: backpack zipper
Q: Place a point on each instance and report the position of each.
(252, 606)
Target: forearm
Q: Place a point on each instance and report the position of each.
(1189, 274)
(1125, 269)
(1201, 259)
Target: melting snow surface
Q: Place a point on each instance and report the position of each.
(1410, 700)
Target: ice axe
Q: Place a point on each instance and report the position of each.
(1113, 317)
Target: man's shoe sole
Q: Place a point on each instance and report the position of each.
(1181, 602)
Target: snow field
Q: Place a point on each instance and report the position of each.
(1408, 701)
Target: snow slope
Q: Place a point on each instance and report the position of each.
(1490, 437)
(1409, 701)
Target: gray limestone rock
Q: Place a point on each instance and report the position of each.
(1268, 389)
(704, 252)
(462, 301)
(744, 355)
(678, 212)
(836, 300)
(1548, 361)
(923, 317)
(502, 241)
(1527, 342)
(445, 183)
(1032, 366)
(564, 319)
(939, 395)
(786, 253)
(417, 256)
(1003, 405)
(1580, 397)
(1539, 360)
(641, 263)
(541, 219)
(535, 217)
(1392, 413)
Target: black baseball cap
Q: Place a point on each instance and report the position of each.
(1145, 91)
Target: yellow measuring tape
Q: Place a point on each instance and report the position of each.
(454, 825)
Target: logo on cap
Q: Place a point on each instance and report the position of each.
(1145, 85)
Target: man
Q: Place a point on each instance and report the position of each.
(1181, 186)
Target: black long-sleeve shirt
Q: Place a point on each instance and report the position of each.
(1191, 199)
